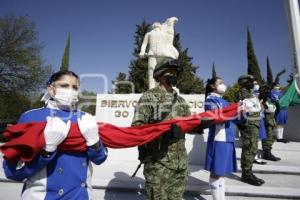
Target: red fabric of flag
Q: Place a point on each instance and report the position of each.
(27, 140)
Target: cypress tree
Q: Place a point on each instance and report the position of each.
(253, 67)
(65, 60)
(213, 73)
(269, 74)
(139, 66)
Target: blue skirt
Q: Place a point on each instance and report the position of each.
(220, 158)
(282, 116)
(262, 129)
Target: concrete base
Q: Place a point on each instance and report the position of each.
(292, 129)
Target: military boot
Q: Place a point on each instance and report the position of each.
(258, 179)
(248, 177)
(267, 155)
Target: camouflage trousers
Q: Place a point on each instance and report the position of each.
(270, 125)
(249, 135)
(163, 183)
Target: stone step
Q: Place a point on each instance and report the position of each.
(289, 163)
(12, 191)
(282, 178)
(277, 185)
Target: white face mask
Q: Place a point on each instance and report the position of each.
(66, 97)
(221, 88)
(277, 88)
(256, 87)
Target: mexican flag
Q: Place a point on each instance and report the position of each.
(291, 96)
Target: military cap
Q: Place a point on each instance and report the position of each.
(245, 78)
(164, 66)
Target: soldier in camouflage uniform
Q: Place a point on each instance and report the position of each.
(270, 124)
(165, 159)
(249, 129)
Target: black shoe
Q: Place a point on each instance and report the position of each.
(282, 140)
(259, 162)
(248, 177)
(285, 141)
(270, 156)
(259, 179)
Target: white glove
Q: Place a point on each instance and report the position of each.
(89, 129)
(55, 132)
(251, 105)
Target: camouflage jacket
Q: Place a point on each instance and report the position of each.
(270, 109)
(251, 118)
(157, 105)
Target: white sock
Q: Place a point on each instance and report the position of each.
(279, 133)
(282, 129)
(214, 188)
(222, 188)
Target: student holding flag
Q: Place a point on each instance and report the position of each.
(55, 174)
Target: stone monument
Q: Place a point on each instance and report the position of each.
(160, 42)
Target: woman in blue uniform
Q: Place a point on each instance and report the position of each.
(220, 153)
(281, 114)
(54, 174)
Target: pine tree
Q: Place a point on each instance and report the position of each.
(139, 66)
(65, 60)
(122, 85)
(231, 93)
(188, 81)
(213, 73)
(269, 74)
(253, 67)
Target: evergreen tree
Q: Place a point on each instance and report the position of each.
(87, 102)
(253, 67)
(213, 73)
(231, 93)
(122, 85)
(188, 82)
(269, 74)
(139, 66)
(65, 60)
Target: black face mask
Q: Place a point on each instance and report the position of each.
(250, 85)
(171, 80)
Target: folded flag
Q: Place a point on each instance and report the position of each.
(27, 140)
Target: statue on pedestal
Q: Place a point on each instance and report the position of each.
(160, 41)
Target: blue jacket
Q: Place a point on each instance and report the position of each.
(275, 95)
(61, 176)
(220, 132)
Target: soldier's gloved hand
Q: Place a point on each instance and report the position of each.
(89, 129)
(205, 122)
(55, 132)
(176, 131)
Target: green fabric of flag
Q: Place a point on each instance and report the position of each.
(291, 97)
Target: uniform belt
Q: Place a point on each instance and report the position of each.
(254, 114)
(269, 113)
